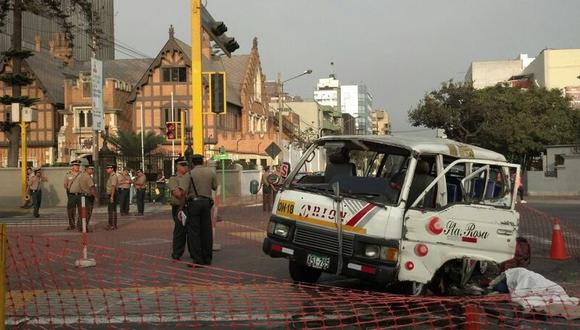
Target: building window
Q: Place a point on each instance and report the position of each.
(231, 121)
(83, 118)
(177, 74)
(176, 115)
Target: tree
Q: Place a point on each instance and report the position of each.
(49, 8)
(518, 123)
(129, 143)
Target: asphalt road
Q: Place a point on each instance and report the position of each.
(568, 210)
(243, 280)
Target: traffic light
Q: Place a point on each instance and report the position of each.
(218, 94)
(216, 31)
(230, 44)
(218, 28)
(171, 130)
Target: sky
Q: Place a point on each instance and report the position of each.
(399, 49)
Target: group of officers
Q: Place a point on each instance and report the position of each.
(191, 193)
(79, 184)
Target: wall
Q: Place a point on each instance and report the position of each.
(562, 67)
(53, 193)
(538, 69)
(489, 73)
(566, 182)
(245, 178)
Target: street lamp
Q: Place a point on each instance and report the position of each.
(281, 106)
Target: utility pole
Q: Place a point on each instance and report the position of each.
(196, 87)
(280, 125)
(16, 88)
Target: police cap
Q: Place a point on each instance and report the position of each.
(181, 161)
(75, 162)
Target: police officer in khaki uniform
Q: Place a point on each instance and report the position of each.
(89, 191)
(179, 185)
(124, 186)
(111, 188)
(200, 202)
(140, 184)
(35, 189)
(73, 190)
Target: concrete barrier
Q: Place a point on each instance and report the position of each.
(53, 193)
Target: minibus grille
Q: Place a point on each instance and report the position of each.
(324, 240)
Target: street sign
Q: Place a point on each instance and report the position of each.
(221, 157)
(285, 170)
(97, 94)
(273, 150)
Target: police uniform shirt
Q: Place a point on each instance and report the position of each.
(71, 180)
(205, 180)
(124, 181)
(181, 181)
(75, 184)
(140, 182)
(112, 181)
(35, 183)
(86, 183)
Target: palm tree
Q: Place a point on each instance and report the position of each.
(129, 143)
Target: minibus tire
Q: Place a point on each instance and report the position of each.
(412, 288)
(301, 273)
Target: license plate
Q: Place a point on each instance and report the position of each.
(285, 207)
(318, 262)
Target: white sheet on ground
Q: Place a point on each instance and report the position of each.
(535, 292)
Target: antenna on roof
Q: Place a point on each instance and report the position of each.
(332, 73)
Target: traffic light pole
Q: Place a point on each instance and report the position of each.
(23, 161)
(196, 87)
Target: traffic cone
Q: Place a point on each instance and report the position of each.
(558, 248)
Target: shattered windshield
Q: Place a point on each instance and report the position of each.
(362, 169)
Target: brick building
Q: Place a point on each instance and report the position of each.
(64, 132)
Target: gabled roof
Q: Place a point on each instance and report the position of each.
(50, 74)
(235, 68)
(127, 70)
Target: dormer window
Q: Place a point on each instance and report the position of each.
(175, 74)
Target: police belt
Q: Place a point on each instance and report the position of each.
(199, 198)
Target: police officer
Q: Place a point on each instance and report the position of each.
(200, 233)
(35, 188)
(73, 191)
(111, 188)
(140, 183)
(124, 194)
(179, 185)
(89, 191)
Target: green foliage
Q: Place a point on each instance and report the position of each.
(23, 54)
(16, 79)
(518, 123)
(129, 143)
(25, 100)
(54, 9)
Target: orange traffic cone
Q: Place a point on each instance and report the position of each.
(558, 248)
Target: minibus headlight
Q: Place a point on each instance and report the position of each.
(372, 251)
(281, 230)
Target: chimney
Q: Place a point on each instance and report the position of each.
(37, 43)
(60, 48)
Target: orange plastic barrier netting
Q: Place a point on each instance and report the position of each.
(134, 290)
(537, 227)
